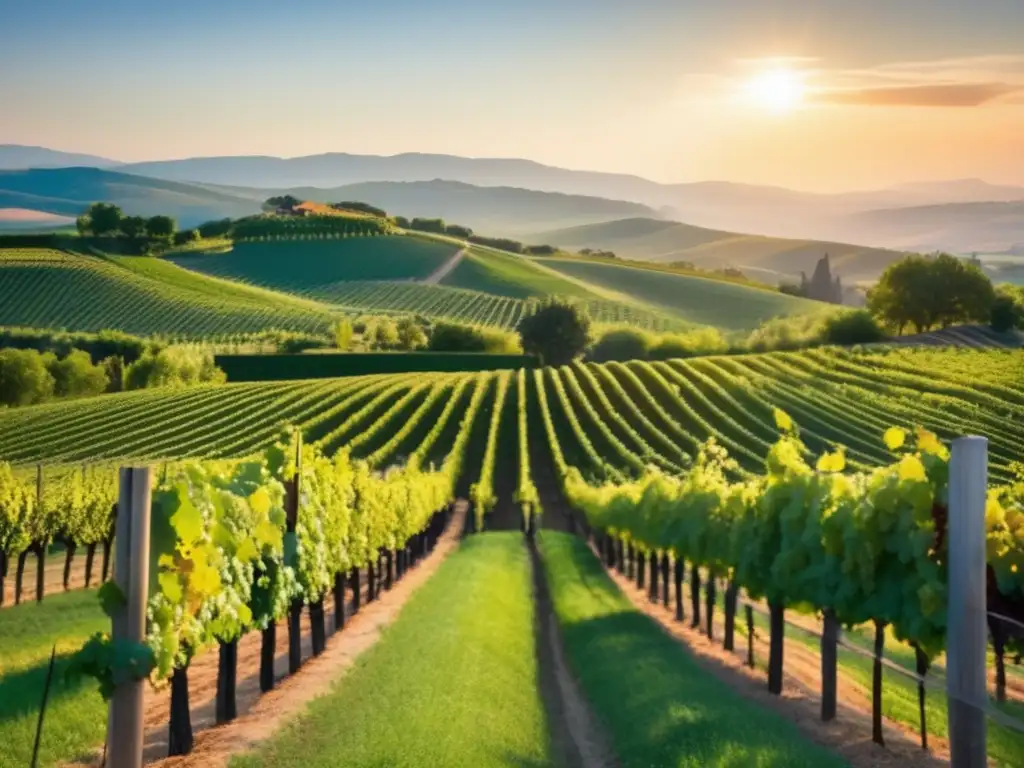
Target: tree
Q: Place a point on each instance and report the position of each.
(343, 334)
(457, 230)
(1005, 313)
(104, 219)
(23, 377)
(83, 224)
(186, 236)
(557, 333)
(428, 225)
(401, 221)
(161, 227)
(217, 228)
(384, 335)
(924, 292)
(133, 226)
(284, 202)
(76, 376)
(410, 334)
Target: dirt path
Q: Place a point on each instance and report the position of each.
(439, 274)
(260, 716)
(849, 735)
(54, 578)
(576, 738)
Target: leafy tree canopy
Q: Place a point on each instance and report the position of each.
(557, 333)
(922, 292)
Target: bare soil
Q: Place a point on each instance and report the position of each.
(849, 735)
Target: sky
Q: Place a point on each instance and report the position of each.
(823, 95)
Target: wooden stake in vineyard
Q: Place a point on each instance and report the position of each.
(131, 575)
(967, 635)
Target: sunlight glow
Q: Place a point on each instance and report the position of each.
(778, 89)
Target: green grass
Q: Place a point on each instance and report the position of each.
(45, 288)
(319, 268)
(728, 306)
(899, 693)
(509, 275)
(75, 716)
(659, 707)
(453, 682)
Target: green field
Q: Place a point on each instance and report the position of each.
(728, 306)
(453, 682)
(485, 269)
(609, 417)
(140, 295)
(318, 269)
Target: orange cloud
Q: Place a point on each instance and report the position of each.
(948, 95)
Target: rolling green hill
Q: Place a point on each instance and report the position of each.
(55, 289)
(319, 268)
(506, 274)
(764, 258)
(698, 300)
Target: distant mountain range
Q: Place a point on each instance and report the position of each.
(493, 210)
(16, 157)
(770, 259)
(883, 218)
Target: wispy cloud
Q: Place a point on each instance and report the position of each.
(955, 82)
(944, 95)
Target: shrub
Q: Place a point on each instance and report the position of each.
(620, 344)
(501, 243)
(540, 250)
(411, 335)
(453, 337)
(457, 230)
(173, 367)
(76, 375)
(383, 334)
(785, 333)
(856, 326)
(24, 378)
(701, 341)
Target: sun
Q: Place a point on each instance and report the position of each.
(778, 89)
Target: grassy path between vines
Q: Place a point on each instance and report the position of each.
(658, 705)
(453, 682)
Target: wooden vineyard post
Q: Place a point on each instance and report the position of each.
(966, 633)
(291, 522)
(664, 579)
(695, 596)
(829, 660)
(731, 597)
(678, 578)
(41, 547)
(131, 574)
(652, 590)
(750, 635)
